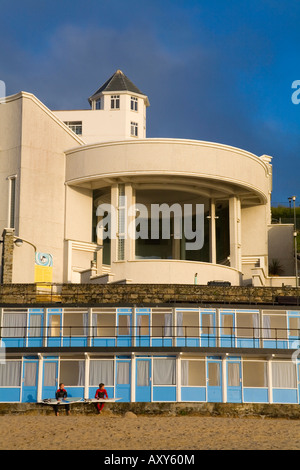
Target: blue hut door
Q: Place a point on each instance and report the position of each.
(214, 381)
(124, 318)
(54, 330)
(143, 380)
(207, 326)
(294, 329)
(143, 329)
(234, 382)
(29, 381)
(50, 379)
(35, 328)
(123, 379)
(227, 328)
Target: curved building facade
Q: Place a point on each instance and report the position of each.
(116, 206)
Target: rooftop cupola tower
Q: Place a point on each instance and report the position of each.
(125, 104)
(117, 112)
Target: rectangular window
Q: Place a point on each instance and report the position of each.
(227, 325)
(99, 103)
(284, 375)
(75, 126)
(115, 102)
(134, 103)
(71, 373)
(102, 371)
(14, 325)
(10, 374)
(75, 323)
(164, 372)
(255, 374)
(187, 324)
(12, 201)
(104, 324)
(134, 129)
(193, 373)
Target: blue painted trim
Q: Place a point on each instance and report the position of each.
(193, 394)
(164, 393)
(110, 391)
(75, 391)
(10, 394)
(256, 395)
(285, 395)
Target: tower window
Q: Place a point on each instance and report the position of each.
(134, 129)
(134, 103)
(12, 201)
(99, 103)
(75, 126)
(115, 102)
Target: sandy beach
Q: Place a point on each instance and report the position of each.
(131, 432)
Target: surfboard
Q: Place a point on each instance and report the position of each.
(66, 401)
(102, 400)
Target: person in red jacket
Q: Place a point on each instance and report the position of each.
(101, 393)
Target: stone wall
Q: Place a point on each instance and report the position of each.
(146, 294)
(165, 409)
(7, 255)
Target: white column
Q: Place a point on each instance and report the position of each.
(224, 379)
(114, 241)
(133, 374)
(178, 377)
(40, 378)
(130, 241)
(86, 376)
(213, 247)
(270, 381)
(235, 232)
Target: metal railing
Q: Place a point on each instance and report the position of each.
(161, 336)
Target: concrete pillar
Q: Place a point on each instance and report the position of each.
(235, 233)
(130, 215)
(212, 232)
(114, 241)
(7, 255)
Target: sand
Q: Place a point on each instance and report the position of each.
(131, 432)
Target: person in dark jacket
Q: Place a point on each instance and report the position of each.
(60, 395)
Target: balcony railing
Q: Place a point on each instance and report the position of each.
(155, 336)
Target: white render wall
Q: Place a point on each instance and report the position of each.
(107, 124)
(32, 143)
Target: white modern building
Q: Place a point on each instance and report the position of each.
(59, 169)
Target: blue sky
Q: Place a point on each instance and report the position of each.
(220, 71)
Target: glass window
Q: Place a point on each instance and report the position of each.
(115, 102)
(164, 372)
(99, 103)
(12, 205)
(227, 324)
(10, 374)
(134, 129)
(71, 373)
(284, 375)
(134, 103)
(123, 373)
(104, 324)
(102, 372)
(193, 373)
(75, 126)
(214, 377)
(255, 374)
